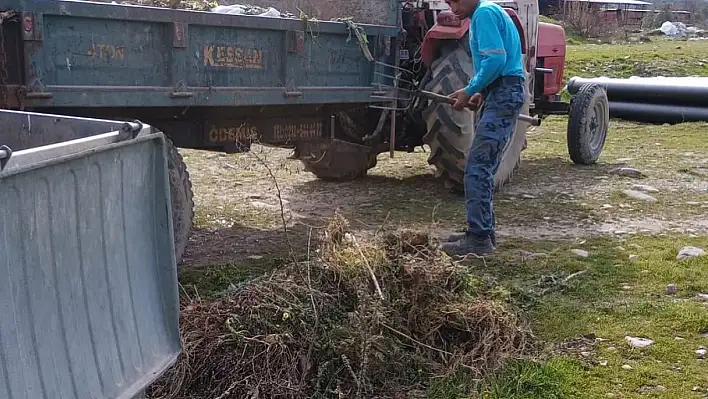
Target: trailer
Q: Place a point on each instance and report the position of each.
(222, 82)
(207, 80)
(88, 299)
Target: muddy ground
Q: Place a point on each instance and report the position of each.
(239, 215)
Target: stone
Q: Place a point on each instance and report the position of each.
(632, 258)
(701, 352)
(636, 342)
(627, 172)
(580, 252)
(585, 354)
(696, 389)
(603, 363)
(649, 388)
(626, 367)
(607, 206)
(702, 297)
(638, 195)
(264, 205)
(620, 248)
(646, 188)
(532, 255)
(528, 196)
(678, 339)
(671, 289)
(689, 252)
(611, 348)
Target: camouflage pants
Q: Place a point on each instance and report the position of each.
(502, 106)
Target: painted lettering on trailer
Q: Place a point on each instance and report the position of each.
(297, 131)
(233, 57)
(242, 133)
(106, 51)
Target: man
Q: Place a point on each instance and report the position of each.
(499, 81)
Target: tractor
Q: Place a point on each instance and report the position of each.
(434, 46)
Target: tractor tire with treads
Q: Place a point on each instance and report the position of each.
(182, 200)
(450, 132)
(588, 121)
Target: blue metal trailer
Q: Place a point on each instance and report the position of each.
(207, 80)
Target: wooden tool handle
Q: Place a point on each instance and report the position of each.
(451, 101)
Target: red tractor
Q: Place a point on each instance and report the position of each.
(435, 48)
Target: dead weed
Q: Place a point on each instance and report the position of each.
(356, 321)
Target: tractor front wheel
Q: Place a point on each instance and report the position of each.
(588, 121)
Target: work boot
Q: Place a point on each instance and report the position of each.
(469, 244)
(460, 236)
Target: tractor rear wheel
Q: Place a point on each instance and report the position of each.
(450, 132)
(588, 121)
(182, 200)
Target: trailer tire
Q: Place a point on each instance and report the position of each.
(588, 121)
(182, 200)
(449, 132)
(336, 160)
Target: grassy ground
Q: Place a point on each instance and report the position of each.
(550, 208)
(660, 57)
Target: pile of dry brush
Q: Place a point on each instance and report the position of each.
(353, 322)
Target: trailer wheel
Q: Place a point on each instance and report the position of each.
(450, 132)
(182, 200)
(336, 160)
(588, 121)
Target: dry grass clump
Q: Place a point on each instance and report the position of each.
(320, 329)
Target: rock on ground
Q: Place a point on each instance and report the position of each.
(688, 252)
(580, 252)
(638, 195)
(636, 342)
(627, 172)
(645, 188)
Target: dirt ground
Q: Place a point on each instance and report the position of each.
(240, 217)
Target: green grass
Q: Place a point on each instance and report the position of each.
(212, 281)
(615, 297)
(661, 57)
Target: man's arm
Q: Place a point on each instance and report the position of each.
(491, 48)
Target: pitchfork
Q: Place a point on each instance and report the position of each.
(411, 94)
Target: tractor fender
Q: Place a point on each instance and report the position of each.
(439, 32)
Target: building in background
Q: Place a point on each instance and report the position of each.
(612, 13)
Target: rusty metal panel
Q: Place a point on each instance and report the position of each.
(274, 131)
(88, 298)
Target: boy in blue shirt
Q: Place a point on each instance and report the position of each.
(499, 79)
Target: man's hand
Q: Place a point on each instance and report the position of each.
(463, 100)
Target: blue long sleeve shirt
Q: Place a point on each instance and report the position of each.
(495, 45)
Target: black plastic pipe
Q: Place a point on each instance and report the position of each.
(657, 113)
(674, 91)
